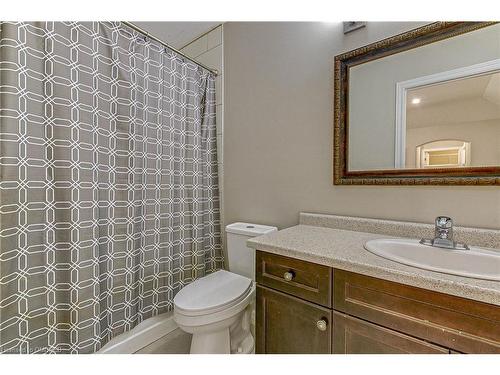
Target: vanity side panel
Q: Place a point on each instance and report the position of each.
(460, 324)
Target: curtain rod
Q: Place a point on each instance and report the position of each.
(148, 35)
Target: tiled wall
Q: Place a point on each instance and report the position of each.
(208, 50)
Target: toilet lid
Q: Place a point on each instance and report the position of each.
(212, 293)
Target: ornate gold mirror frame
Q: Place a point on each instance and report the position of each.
(443, 176)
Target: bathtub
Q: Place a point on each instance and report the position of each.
(141, 335)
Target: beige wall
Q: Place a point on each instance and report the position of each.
(278, 133)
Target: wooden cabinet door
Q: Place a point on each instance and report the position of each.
(288, 325)
(457, 323)
(308, 281)
(355, 336)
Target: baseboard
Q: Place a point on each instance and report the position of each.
(140, 336)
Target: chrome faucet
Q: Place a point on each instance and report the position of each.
(443, 235)
(443, 231)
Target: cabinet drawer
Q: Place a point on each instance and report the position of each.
(288, 325)
(457, 323)
(309, 281)
(355, 336)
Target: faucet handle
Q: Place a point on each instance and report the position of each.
(444, 222)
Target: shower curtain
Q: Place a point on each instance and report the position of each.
(108, 182)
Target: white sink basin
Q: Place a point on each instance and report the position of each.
(476, 263)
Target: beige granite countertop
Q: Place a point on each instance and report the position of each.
(344, 249)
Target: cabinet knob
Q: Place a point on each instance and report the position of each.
(288, 276)
(321, 325)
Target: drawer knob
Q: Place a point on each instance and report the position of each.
(321, 325)
(288, 276)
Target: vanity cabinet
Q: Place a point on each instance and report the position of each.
(308, 281)
(356, 336)
(303, 307)
(286, 324)
(456, 323)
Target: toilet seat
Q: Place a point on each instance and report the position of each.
(213, 293)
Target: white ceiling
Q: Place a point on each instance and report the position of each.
(466, 100)
(468, 88)
(177, 34)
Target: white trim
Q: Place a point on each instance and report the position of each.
(400, 133)
(403, 86)
(140, 336)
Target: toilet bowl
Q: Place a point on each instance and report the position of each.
(212, 309)
(218, 309)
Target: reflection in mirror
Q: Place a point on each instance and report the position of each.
(452, 124)
(441, 154)
(433, 106)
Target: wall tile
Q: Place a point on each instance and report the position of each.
(214, 38)
(208, 51)
(221, 185)
(221, 179)
(218, 89)
(197, 47)
(220, 149)
(212, 58)
(220, 167)
(219, 114)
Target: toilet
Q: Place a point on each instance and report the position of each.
(219, 309)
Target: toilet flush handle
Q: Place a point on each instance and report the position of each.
(288, 276)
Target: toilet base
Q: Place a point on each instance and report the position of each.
(217, 342)
(231, 336)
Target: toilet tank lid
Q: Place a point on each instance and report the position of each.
(249, 229)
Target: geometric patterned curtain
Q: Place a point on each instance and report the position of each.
(109, 198)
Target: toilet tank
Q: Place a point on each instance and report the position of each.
(241, 258)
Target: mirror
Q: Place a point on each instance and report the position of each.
(420, 107)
